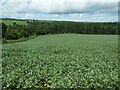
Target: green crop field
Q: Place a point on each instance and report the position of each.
(10, 22)
(62, 61)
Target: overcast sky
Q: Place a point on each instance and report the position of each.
(69, 10)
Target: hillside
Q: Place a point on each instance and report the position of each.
(10, 22)
(62, 61)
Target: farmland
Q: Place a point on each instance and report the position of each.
(10, 22)
(61, 61)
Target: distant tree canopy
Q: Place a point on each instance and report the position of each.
(37, 27)
(4, 29)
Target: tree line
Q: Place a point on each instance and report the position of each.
(37, 27)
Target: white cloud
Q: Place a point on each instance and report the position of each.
(13, 7)
(27, 16)
(99, 18)
(71, 6)
(62, 6)
(15, 1)
(76, 0)
(78, 10)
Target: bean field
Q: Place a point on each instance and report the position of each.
(61, 61)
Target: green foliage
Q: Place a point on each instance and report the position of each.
(13, 34)
(4, 29)
(62, 61)
(38, 27)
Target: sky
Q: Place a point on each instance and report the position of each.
(61, 10)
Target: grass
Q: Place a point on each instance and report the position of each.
(62, 61)
(18, 40)
(10, 22)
